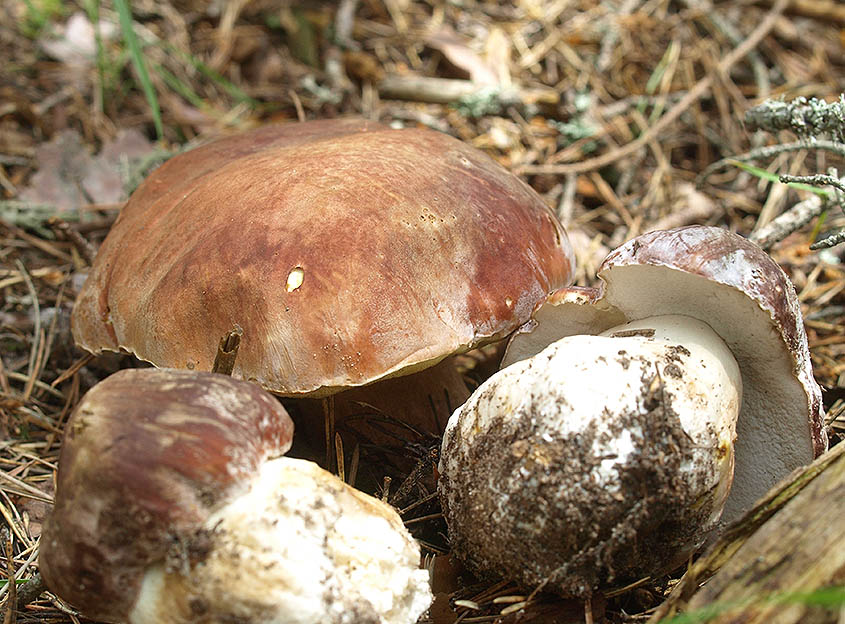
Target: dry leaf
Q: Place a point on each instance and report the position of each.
(68, 177)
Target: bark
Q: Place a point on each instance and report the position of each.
(787, 547)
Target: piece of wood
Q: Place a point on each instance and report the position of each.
(789, 545)
(227, 351)
(449, 90)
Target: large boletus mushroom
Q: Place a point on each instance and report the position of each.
(347, 251)
(609, 456)
(173, 506)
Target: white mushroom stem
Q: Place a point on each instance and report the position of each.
(706, 386)
(601, 458)
(299, 546)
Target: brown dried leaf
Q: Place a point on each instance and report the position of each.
(69, 177)
(104, 179)
(62, 164)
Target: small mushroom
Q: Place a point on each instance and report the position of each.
(173, 506)
(601, 458)
(347, 251)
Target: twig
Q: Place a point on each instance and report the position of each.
(826, 10)
(72, 369)
(832, 178)
(43, 245)
(344, 21)
(806, 118)
(588, 611)
(790, 221)
(770, 151)
(225, 33)
(10, 616)
(32, 369)
(698, 90)
(818, 179)
(24, 488)
(830, 241)
(227, 351)
(449, 90)
(802, 213)
(62, 228)
(341, 460)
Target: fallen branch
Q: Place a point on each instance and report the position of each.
(786, 545)
(788, 222)
(806, 118)
(448, 91)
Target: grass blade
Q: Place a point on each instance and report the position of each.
(125, 15)
(773, 177)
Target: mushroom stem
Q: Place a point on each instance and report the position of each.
(393, 411)
(600, 459)
(323, 549)
(713, 387)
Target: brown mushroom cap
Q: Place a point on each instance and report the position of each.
(147, 456)
(732, 285)
(346, 250)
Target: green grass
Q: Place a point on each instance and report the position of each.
(773, 177)
(40, 13)
(4, 582)
(124, 13)
(112, 61)
(828, 598)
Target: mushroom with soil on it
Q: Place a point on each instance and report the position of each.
(350, 253)
(612, 456)
(173, 505)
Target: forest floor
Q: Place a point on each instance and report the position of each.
(623, 115)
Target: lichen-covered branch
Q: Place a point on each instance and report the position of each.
(807, 118)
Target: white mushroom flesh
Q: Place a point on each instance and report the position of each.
(298, 547)
(600, 458)
(772, 433)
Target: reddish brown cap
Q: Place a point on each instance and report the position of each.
(147, 456)
(346, 250)
(735, 287)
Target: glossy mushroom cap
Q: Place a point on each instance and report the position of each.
(347, 252)
(148, 455)
(732, 285)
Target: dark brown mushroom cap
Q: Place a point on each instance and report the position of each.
(147, 456)
(346, 250)
(735, 287)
